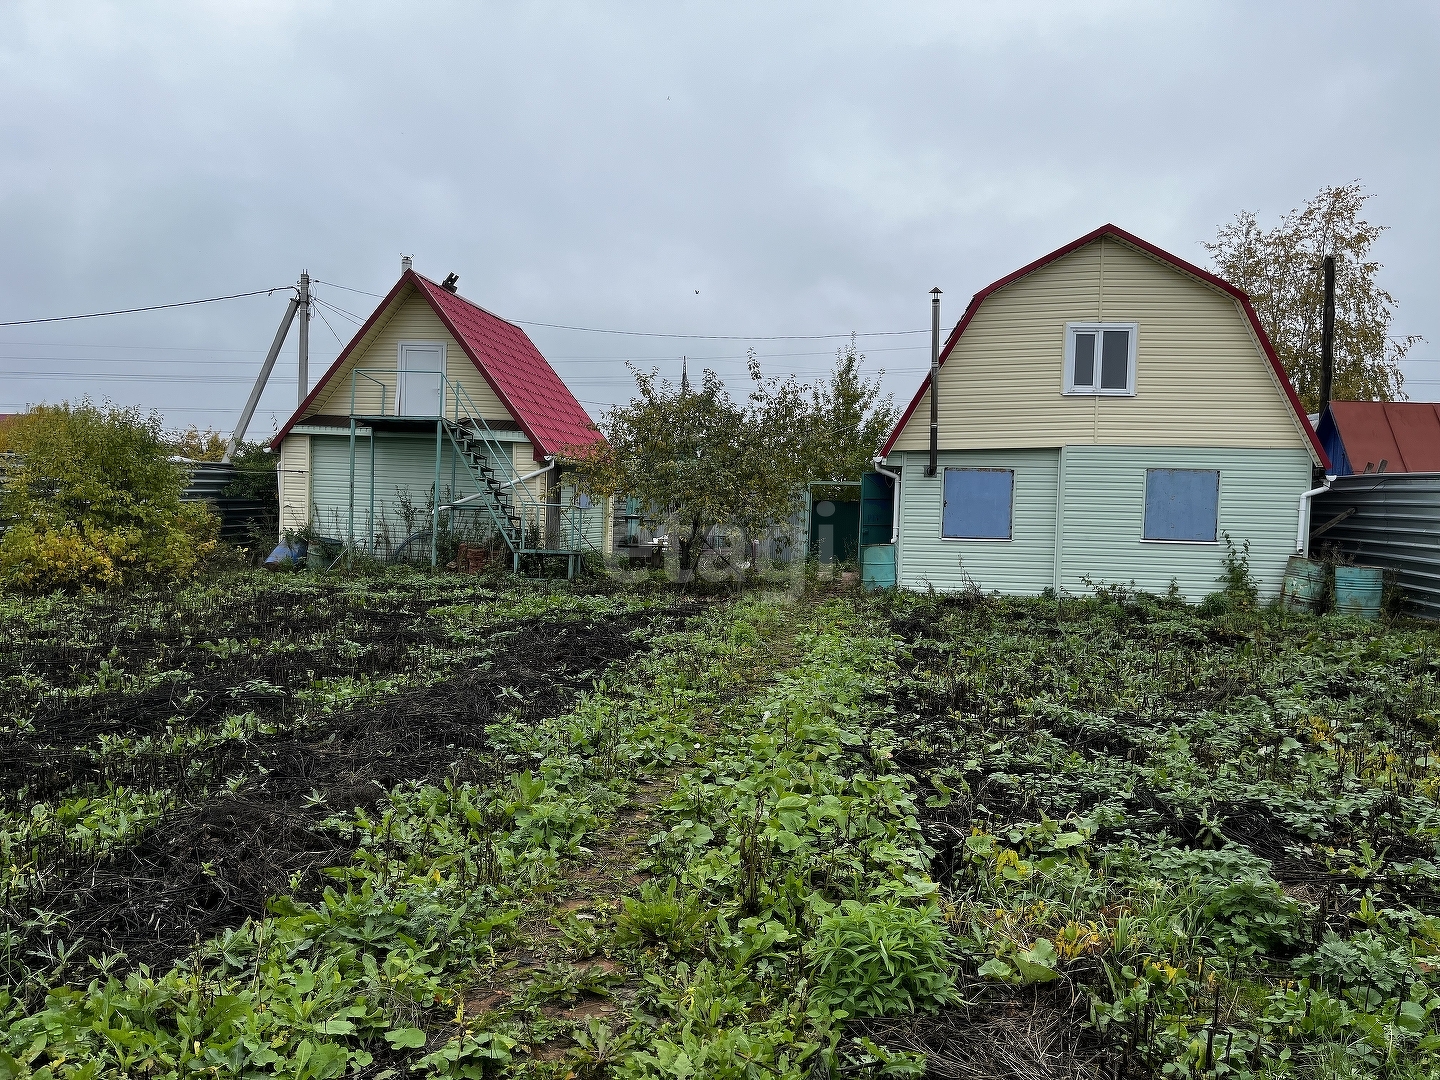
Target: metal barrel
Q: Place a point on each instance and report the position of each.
(877, 566)
(1359, 590)
(1304, 584)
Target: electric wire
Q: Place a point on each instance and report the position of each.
(687, 337)
(340, 311)
(327, 323)
(347, 288)
(152, 307)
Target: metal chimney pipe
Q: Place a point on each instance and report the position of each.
(1327, 335)
(934, 467)
(404, 263)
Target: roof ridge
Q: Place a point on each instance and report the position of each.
(466, 299)
(1205, 277)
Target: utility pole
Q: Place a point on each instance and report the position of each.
(259, 388)
(304, 314)
(1327, 334)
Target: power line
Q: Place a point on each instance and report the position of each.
(688, 337)
(339, 310)
(347, 288)
(131, 376)
(152, 307)
(722, 337)
(198, 364)
(326, 321)
(154, 348)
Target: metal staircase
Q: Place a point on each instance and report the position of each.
(498, 489)
(528, 525)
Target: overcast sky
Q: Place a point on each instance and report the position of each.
(700, 169)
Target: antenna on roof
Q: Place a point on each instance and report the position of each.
(451, 280)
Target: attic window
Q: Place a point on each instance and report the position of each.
(1100, 358)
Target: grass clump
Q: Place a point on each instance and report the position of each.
(882, 959)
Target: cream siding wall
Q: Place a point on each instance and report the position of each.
(1024, 564)
(411, 320)
(1201, 378)
(1104, 514)
(294, 482)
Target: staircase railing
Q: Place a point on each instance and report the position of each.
(462, 422)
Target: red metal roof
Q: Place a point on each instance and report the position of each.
(503, 353)
(1403, 434)
(1150, 249)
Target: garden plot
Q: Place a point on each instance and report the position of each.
(170, 775)
(1206, 845)
(774, 837)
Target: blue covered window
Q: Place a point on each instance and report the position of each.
(977, 504)
(1182, 504)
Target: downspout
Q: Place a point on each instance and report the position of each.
(1302, 532)
(894, 498)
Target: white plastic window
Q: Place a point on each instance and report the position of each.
(1100, 358)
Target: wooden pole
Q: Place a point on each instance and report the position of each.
(1327, 334)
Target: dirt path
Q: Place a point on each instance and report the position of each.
(561, 966)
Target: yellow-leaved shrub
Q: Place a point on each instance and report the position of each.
(90, 500)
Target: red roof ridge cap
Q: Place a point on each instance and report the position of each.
(467, 300)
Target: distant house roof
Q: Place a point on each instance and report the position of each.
(1117, 233)
(1360, 436)
(503, 353)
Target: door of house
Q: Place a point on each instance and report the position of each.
(420, 379)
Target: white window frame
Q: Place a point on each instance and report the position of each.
(1098, 329)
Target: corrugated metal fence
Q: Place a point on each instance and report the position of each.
(1388, 521)
(238, 517)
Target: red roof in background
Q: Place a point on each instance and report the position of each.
(1163, 256)
(1404, 434)
(521, 377)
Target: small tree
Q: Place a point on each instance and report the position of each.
(197, 445)
(1280, 269)
(702, 459)
(679, 451)
(90, 499)
(849, 420)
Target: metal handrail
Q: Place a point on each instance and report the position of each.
(458, 410)
(376, 381)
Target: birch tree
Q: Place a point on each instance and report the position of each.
(1281, 270)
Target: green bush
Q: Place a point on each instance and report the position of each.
(882, 959)
(89, 499)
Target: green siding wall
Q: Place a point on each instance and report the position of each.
(1100, 530)
(1023, 564)
(1105, 512)
(404, 464)
(592, 520)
